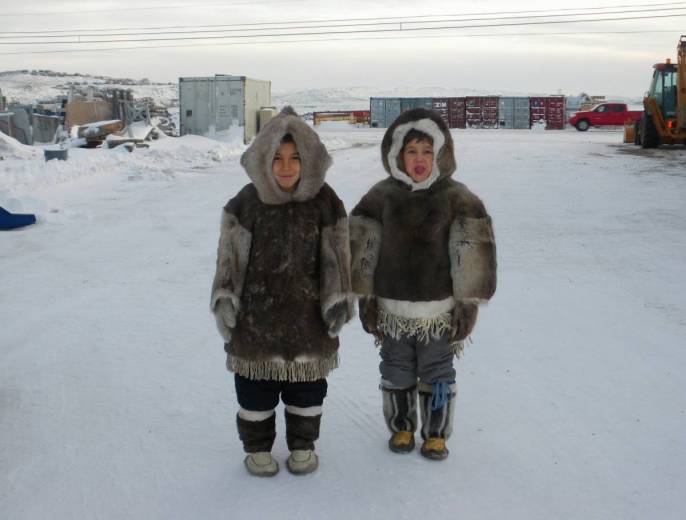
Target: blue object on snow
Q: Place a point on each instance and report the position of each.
(13, 221)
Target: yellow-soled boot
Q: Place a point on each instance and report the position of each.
(434, 448)
(437, 406)
(400, 413)
(401, 442)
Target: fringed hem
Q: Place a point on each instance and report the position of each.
(458, 348)
(293, 371)
(424, 329)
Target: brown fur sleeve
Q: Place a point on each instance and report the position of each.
(472, 252)
(365, 241)
(335, 287)
(232, 254)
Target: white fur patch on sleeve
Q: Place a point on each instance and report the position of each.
(473, 265)
(365, 246)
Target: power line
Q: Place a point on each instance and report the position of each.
(151, 8)
(343, 20)
(338, 26)
(327, 40)
(363, 31)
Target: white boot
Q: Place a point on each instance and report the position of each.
(261, 464)
(301, 462)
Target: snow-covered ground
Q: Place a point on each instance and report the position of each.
(114, 400)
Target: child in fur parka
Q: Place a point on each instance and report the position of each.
(282, 292)
(423, 259)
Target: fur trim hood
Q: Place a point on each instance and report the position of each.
(430, 123)
(314, 159)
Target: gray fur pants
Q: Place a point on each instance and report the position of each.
(405, 360)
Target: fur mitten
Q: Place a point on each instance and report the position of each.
(464, 319)
(369, 315)
(225, 314)
(336, 317)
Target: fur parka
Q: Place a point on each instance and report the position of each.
(424, 250)
(282, 287)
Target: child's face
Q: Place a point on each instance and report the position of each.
(286, 166)
(418, 159)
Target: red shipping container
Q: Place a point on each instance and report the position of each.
(442, 107)
(539, 109)
(457, 112)
(489, 111)
(556, 115)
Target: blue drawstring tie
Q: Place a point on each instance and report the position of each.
(440, 394)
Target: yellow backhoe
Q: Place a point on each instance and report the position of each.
(664, 118)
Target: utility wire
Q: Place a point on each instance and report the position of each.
(151, 8)
(327, 40)
(363, 31)
(339, 26)
(343, 20)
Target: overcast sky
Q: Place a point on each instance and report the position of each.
(607, 63)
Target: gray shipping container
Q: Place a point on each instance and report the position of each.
(410, 103)
(513, 112)
(383, 111)
(209, 104)
(393, 110)
(377, 112)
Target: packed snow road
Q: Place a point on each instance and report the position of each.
(114, 400)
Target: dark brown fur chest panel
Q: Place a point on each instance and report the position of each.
(280, 306)
(285, 240)
(414, 262)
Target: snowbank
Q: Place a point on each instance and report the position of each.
(24, 171)
(10, 148)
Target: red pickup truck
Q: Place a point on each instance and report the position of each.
(605, 114)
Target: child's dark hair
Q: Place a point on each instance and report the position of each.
(418, 135)
(288, 138)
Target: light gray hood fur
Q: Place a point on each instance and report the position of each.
(314, 159)
(430, 123)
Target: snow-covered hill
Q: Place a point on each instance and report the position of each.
(27, 88)
(24, 87)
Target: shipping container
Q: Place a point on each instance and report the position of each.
(513, 112)
(539, 109)
(383, 111)
(473, 111)
(393, 110)
(457, 113)
(489, 111)
(377, 109)
(442, 107)
(506, 112)
(213, 104)
(410, 103)
(556, 116)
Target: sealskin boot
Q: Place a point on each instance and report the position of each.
(301, 462)
(400, 413)
(261, 464)
(437, 408)
(434, 448)
(401, 442)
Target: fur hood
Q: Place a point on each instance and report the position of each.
(314, 159)
(430, 123)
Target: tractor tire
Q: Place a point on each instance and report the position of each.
(582, 125)
(649, 135)
(637, 132)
